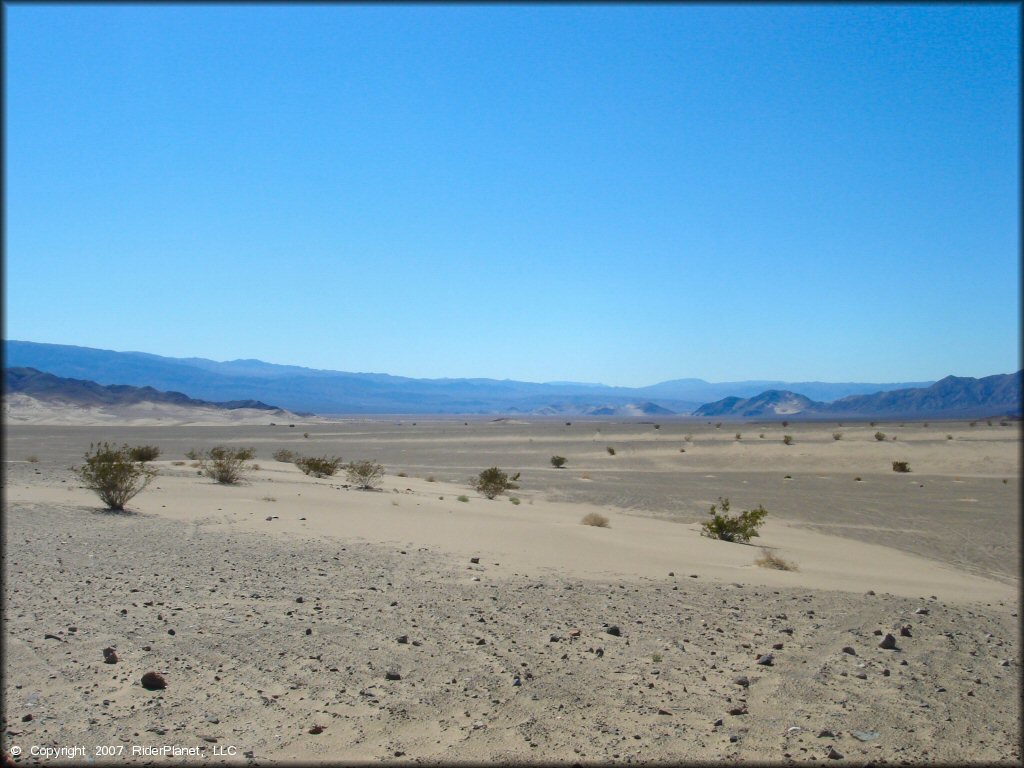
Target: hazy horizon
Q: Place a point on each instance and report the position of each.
(622, 195)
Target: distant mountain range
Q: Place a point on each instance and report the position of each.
(55, 389)
(953, 396)
(337, 392)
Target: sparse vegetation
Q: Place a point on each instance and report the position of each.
(739, 436)
(269, 498)
(365, 474)
(430, 479)
(879, 436)
(761, 435)
(837, 435)
(514, 500)
(492, 482)
(949, 437)
(596, 520)
(306, 435)
(771, 560)
(225, 465)
(858, 479)
(144, 453)
(787, 439)
(900, 466)
(736, 528)
(318, 466)
(461, 498)
(285, 456)
(558, 462)
(113, 475)
(656, 658)
(611, 451)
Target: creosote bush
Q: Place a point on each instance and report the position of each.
(284, 455)
(460, 498)
(113, 474)
(365, 473)
(558, 462)
(596, 520)
(837, 435)
(900, 466)
(144, 453)
(226, 465)
(318, 466)
(879, 436)
(611, 451)
(787, 439)
(493, 482)
(771, 560)
(737, 528)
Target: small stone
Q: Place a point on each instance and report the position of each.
(742, 680)
(834, 754)
(109, 656)
(861, 676)
(474, 559)
(316, 730)
(733, 738)
(309, 631)
(27, 718)
(886, 673)
(153, 681)
(777, 646)
(403, 639)
(392, 674)
(671, 573)
(599, 652)
(848, 649)
(877, 632)
(614, 630)
(922, 611)
(741, 710)
(865, 735)
(300, 599)
(825, 733)
(554, 639)
(888, 643)
(905, 631)
(870, 592)
(170, 631)
(664, 712)
(766, 659)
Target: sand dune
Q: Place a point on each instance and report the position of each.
(293, 600)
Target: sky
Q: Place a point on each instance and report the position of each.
(602, 193)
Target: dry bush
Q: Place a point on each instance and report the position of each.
(596, 520)
(611, 451)
(787, 439)
(771, 560)
(879, 436)
(837, 435)
(284, 455)
(144, 453)
(226, 465)
(33, 459)
(900, 466)
(318, 466)
(365, 473)
(558, 462)
(113, 474)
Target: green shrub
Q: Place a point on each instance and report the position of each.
(492, 482)
(226, 465)
(787, 439)
(365, 473)
(113, 474)
(558, 462)
(900, 466)
(461, 498)
(284, 455)
(318, 466)
(737, 528)
(611, 451)
(837, 435)
(144, 453)
(879, 436)
(514, 500)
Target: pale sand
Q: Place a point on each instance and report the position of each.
(372, 566)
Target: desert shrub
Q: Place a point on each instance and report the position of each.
(365, 473)
(431, 479)
(596, 520)
(787, 439)
(403, 474)
(949, 437)
(492, 482)
(113, 475)
(461, 498)
(33, 459)
(879, 436)
(558, 462)
(682, 450)
(739, 436)
(837, 435)
(144, 453)
(900, 466)
(771, 560)
(858, 478)
(761, 435)
(226, 465)
(514, 500)
(611, 451)
(194, 454)
(738, 528)
(785, 423)
(318, 466)
(306, 435)
(656, 658)
(284, 455)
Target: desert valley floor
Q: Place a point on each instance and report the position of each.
(296, 618)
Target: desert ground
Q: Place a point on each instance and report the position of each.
(301, 619)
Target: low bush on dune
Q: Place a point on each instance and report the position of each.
(787, 439)
(144, 453)
(318, 466)
(737, 528)
(493, 482)
(113, 475)
(596, 520)
(771, 560)
(284, 455)
(837, 435)
(611, 451)
(558, 462)
(365, 473)
(226, 465)
(900, 466)
(879, 436)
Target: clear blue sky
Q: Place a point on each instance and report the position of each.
(622, 194)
